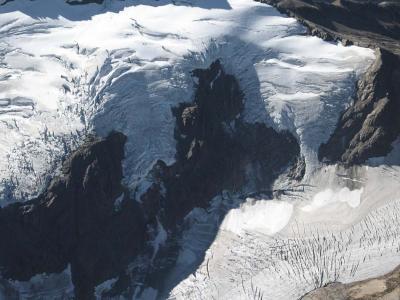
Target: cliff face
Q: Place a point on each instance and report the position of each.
(75, 222)
(86, 218)
(365, 23)
(368, 127)
(216, 150)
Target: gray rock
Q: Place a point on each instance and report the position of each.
(74, 222)
(385, 287)
(368, 127)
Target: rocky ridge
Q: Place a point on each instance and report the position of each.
(368, 127)
(371, 124)
(74, 218)
(216, 151)
(371, 24)
(385, 287)
(87, 208)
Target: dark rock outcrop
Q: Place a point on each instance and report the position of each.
(369, 127)
(75, 222)
(217, 150)
(373, 24)
(86, 218)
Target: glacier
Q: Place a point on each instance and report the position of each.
(69, 71)
(282, 249)
(123, 65)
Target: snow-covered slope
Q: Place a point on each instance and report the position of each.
(123, 65)
(310, 236)
(66, 71)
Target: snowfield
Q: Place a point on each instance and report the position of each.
(66, 71)
(302, 240)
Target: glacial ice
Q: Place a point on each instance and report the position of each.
(66, 71)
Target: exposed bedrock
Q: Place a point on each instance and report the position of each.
(385, 287)
(216, 150)
(87, 219)
(368, 127)
(373, 24)
(75, 222)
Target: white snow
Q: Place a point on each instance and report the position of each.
(66, 70)
(104, 287)
(159, 239)
(267, 216)
(43, 286)
(347, 235)
(118, 201)
(329, 197)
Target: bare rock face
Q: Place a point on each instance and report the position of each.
(217, 150)
(373, 23)
(368, 127)
(87, 219)
(386, 287)
(75, 222)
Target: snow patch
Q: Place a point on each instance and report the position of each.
(45, 286)
(118, 201)
(160, 238)
(141, 188)
(329, 196)
(267, 216)
(104, 287)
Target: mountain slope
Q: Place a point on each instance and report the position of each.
(370, 126)
(83, 82)
(221, 108)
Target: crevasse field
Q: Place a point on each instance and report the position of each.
(66, 71)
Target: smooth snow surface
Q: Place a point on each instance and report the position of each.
(328, 196)
(66, 70)
(266, 216)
